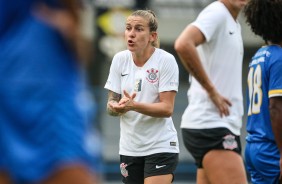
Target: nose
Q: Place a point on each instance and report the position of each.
(131, 33)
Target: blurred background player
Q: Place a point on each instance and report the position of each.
(211, 50)
(46, 128)
(264, 126)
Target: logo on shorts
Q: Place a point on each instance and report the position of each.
(229, 142)
(152, 75)
(123, 170)
(160, 166)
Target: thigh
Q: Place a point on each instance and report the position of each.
(262, 160)
(224, 166)
(75, 174)
(202, 177)
(160, 179)
(5, 178)
(132, 169)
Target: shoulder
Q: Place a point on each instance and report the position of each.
(162, 54)
(122, 54)
(212, 19)
(120, 59)
(275, 54)
(166, 60)
(215, 10)
(269, 56)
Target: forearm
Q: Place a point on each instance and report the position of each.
(276, 121)
(160, 109)
(113, 98)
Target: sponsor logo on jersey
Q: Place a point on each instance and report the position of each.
(152, 75)
(229, 142)
(138, 85)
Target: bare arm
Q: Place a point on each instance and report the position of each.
(113, 98)
(275, 108)
(185, 47)
(164, 108)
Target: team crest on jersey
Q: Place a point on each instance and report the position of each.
(152, 75)
(229, 142)
(123, 170)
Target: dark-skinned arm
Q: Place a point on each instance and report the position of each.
(275, 108)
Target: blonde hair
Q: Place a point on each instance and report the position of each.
(153, 23)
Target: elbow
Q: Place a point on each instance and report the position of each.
(167, 113)
(177, 46)
(180, 47)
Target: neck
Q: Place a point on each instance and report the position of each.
(278, 44)
(234, 11)
(141, 58)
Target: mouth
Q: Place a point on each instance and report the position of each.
(130, 43)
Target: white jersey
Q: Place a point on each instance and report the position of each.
(221, 56)
(142, 135)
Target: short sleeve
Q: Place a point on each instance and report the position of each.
(114, 82)
(209, 21)
(275, 79)
(169, 78)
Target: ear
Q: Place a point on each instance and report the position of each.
(153, 36)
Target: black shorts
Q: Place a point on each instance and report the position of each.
(135, 169)
(199, 141)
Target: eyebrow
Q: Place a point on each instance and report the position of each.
(137, 25)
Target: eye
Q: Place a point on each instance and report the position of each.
(139, 29)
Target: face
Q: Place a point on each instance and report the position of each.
(137, 34)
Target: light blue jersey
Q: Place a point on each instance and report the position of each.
(264, 81)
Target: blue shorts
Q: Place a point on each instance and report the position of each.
(262, 160)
